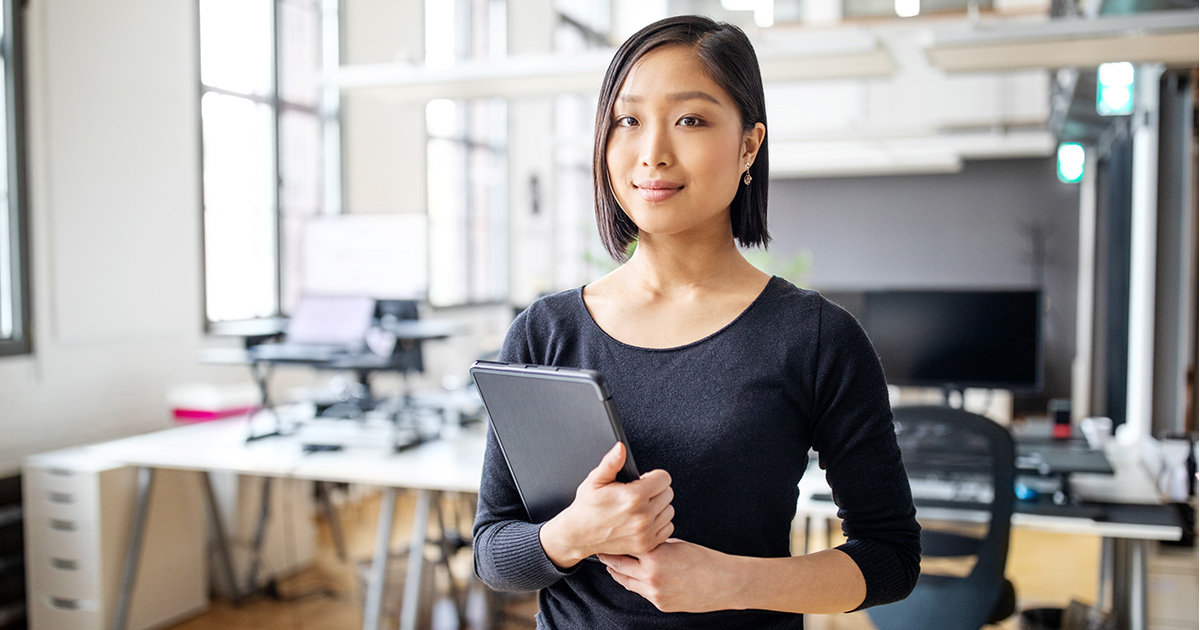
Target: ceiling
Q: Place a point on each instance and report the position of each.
(873, 93)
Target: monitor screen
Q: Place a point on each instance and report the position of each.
(957, 339)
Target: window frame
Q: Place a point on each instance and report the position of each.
(13, 45)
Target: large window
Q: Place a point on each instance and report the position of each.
(583, 26)
(15, 309)
(269, 142)
(466, 161)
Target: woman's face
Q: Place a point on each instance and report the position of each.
(677, 151)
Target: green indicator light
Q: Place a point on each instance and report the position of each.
(1114, 89)
(1070, 162)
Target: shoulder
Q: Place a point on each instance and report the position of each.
(807, 306)
(554, 309)
(544, 320)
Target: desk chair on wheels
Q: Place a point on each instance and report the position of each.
(974, 456)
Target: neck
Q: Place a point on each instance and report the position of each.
(667, 265)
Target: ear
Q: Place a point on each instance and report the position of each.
(752, 140)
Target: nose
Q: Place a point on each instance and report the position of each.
(656, 149)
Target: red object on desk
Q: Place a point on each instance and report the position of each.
(202, 415)
(1061, 431)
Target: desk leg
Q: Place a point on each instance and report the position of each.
(223, 554)
(331, 515)
(378, 576)
(1104, 588)
(1129, 584)
(409, 608)
(260, 532)
(145, 479)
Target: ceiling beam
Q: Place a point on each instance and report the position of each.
(1170, 37)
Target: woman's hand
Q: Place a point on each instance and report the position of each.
(611, 517)
(678, 576)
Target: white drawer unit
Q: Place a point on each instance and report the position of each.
(1173, 583)
(75, 551)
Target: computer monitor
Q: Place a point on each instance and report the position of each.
(332, 320)
(956, 339)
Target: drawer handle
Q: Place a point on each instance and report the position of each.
(64, 564)
(60, 472)
(61, 525)
(61, 497)
(62, 603)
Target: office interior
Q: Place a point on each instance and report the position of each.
(446, 157)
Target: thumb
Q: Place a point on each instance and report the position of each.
(606, 471)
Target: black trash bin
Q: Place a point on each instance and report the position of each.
(1042, 619)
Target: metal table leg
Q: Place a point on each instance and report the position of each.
(416, 559)
(377, 579)
(223, 554)
(260, 533)
(335, 524)
(1130, 604)
(145, 480)
(1104, 588)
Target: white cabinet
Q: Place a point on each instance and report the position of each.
(1173, 588)
(75, 550)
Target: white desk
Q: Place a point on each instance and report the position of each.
(1125, 541)
(452, 463)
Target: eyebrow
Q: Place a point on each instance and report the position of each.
(674, 97)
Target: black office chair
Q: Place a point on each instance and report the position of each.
(957, 461)
(406, 353)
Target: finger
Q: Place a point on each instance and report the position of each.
(663, 518)
(623, 580)
(656, 480)
(664, 534)
(612, 462)
(661, 501)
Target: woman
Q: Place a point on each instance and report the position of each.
(723, 378)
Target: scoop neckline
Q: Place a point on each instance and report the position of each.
(592, 320)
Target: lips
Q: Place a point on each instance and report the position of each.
(657, 190)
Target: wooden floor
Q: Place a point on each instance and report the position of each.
(1047, 570)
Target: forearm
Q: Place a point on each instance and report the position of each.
(819, 583)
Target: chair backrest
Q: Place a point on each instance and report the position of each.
(970, 459)
(406, 354)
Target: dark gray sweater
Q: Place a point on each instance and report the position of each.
(731, 417)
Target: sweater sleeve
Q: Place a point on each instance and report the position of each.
(507, 549)
(856, 444)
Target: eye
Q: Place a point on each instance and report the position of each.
(625, 121)
(690, 121)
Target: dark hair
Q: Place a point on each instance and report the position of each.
(726, 52)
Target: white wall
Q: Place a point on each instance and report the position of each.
(115, 221)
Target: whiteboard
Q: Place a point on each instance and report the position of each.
(384, 256)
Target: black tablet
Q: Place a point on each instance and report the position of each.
(554, 426)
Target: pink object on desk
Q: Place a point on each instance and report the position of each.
(204, 415)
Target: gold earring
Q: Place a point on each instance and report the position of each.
(746, 179)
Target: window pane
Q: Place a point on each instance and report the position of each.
(7, 267)
(300, 162)
(239, 208)
(468, 201)
(236, 48)
(300, 171)
(446, 163)
(300, 52)
(440, 33)
(8, 250)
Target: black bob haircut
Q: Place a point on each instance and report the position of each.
(726, 51)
